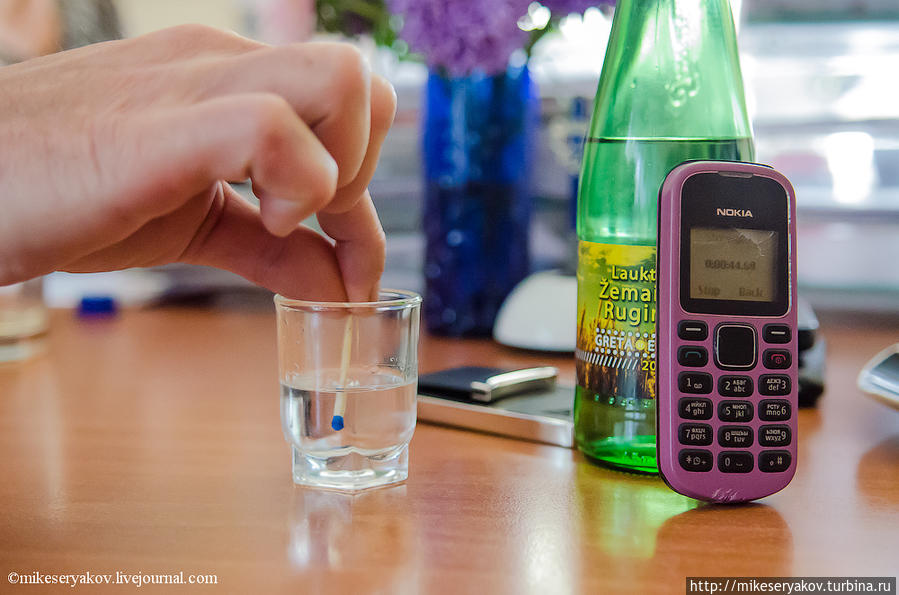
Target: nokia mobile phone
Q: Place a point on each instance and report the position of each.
(727, 331)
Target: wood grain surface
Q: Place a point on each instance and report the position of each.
(150, 443)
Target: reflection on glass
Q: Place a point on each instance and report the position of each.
(353, 543)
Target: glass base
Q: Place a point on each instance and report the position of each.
(351, 473)
(637, 454)
(21, 348)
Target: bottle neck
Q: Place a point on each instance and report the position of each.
(671, 71)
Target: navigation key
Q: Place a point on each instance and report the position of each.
(776, 333)
(694, 357)
(776, 359)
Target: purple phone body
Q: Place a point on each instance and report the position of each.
(727, 332)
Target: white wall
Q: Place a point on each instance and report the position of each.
(143, 16)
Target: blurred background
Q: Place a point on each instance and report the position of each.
(823, 96)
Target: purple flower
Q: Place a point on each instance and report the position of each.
(562, 8)
(463, 35)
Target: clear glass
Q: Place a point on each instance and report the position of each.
(671, 90)
(23, 320)
(349, 374)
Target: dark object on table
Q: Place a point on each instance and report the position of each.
(812, 351)
(475, 383)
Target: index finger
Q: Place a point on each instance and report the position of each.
(361, 247)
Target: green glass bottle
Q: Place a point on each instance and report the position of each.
(670, 91)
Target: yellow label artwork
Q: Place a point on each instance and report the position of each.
(616, 339)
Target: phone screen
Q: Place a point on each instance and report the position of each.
(733, 263)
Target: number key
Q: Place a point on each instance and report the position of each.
(735, 462)
(694, 408)
(735, 386)
(774, 435)
(735, 436)
(774, 410)
(697, 383)
(774, 385)
(735, 411)
(695, 434)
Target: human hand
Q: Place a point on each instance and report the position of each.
(115, 155)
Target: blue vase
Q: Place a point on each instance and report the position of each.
(478, 135)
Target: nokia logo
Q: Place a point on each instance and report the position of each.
(734, 212)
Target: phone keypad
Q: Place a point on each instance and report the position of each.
(748, 417)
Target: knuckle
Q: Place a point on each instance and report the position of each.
(350, 72)
(189, 33)
(273, 119)
(190, 39)
(269, 116)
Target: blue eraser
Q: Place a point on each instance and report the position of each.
(337, 422)
(97, 306)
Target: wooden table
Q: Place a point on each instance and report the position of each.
(150, 443)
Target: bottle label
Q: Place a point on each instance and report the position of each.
(616, 338)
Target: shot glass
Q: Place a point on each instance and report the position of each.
(23, 320)
(349, 376)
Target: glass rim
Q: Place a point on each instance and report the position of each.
(390, 298)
